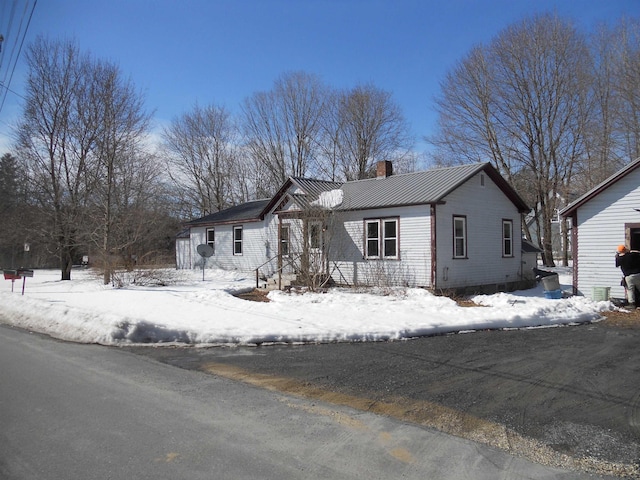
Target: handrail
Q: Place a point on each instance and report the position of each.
(279, 269)
(260, 266)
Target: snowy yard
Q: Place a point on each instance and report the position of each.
(198, 312)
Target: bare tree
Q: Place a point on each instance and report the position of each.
(627, 79)
(282, 127)
(13, 208)
(203, 158)
(118, 111)
(369, 127)
(57, 139)
(329, 167)
(522, 102)
(612, 132)
(80, 136)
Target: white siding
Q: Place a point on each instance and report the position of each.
(259, 245)
(601, 224)
(485, 207)
(414, 244)
(183, 253)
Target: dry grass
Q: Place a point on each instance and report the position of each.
(254, 295)
(623, 319)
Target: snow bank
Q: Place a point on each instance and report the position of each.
(192, 311)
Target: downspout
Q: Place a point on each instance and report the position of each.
(434, 262)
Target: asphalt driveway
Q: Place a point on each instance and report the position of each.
(565, 396)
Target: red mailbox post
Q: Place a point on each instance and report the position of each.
(14, 275)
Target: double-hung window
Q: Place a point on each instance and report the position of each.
(237, 240)
(211, 238)
(507, 238)
(459, 237)
(381, 238)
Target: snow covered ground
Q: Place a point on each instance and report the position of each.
(199, 312)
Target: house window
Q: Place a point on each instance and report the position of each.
(211, 238)
(459, 237)
(373, 238)
(390, 228)
(237, 240)
(284, 240)
(381, 239)
(507, 238)
(315, 235)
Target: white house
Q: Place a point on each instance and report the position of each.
(455, 228)
(601, 219)
(241, 238)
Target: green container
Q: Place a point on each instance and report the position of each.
(600, 294)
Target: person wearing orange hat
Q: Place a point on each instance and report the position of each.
(629, 263)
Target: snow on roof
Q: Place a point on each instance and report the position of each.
(330, 199)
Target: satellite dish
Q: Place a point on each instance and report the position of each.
(205, 250)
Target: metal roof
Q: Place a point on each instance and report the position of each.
(313, 188)
(405, 189)
(245, 212)
(418, 188)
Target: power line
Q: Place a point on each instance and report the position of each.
(14, 58)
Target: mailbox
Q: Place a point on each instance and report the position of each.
(14, 275)
(11, 275)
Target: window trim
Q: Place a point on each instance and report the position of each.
(464, 237)
(237, 242)
(381, 240)
(211, 243)
(507, 240)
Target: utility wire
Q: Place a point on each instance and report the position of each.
(6, 85)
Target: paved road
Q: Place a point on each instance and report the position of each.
(566, 396)
(71, 411)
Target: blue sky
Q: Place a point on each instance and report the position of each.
(179, 52)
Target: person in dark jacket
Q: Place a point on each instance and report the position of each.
(629, 263)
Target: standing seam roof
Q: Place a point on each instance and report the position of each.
(417, 188)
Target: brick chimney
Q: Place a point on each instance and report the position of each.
(384, 169)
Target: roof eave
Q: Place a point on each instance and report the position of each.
(571, 209)
(506, 188)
